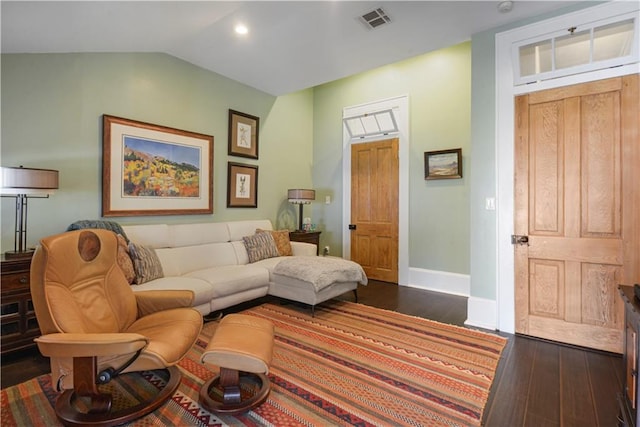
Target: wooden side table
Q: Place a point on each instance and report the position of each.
(306, 237)
(17, 317)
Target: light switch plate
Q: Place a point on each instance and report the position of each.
(490, 203)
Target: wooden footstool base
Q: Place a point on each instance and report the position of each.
(242, 347)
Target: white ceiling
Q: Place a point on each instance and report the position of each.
(290, 46)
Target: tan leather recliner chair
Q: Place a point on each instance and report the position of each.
(95, 327)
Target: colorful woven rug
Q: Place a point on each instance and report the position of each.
(350, 365)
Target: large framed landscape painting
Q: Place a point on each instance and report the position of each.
(149, 169)
(443, 164)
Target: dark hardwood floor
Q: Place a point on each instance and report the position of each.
(538, 383)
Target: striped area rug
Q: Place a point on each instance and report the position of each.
(350, 365)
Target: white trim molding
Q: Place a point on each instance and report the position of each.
(440, 281)
(481, 313)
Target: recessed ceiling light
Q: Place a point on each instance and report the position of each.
(241, 29)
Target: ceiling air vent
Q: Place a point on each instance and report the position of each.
(375, 18)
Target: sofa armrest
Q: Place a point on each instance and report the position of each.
(89, 345)
(154, 301)
(303, 249)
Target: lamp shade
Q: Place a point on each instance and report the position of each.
(301, 196)
(19, 180)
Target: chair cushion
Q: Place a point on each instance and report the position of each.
(171, 333)
(241, 342)
(202, 290)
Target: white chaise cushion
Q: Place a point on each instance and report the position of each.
(232, 279)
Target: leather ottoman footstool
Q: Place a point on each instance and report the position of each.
(242, 346)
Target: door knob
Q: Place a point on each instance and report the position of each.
(517, 239)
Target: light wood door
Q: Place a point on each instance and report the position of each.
(577, 184)
(374, 208)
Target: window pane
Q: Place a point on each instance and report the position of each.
(613, 40)
(535, 58)
(573, 49)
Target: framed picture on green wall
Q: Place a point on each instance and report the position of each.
(149, 169)
(443, 164)
(243, 134)
(242, 185)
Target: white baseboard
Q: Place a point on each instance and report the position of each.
(481, 313)
(440, 281)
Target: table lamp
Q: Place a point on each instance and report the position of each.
(301, 197)
(23, 184)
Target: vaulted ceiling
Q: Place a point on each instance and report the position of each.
(289, 45)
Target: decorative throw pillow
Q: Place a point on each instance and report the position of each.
(260, 246)
(281, 237)
(145, 263)
(124, 260)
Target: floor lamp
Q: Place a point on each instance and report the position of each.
(301, 197)
(23, 184)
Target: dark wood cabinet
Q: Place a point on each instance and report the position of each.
(628, 397)
(17, 317)
(306, 237)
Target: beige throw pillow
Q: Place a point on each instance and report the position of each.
(145, 263)
(281, 237)
(260, 246)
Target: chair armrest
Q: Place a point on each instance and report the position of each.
(88, 345)
(154, 301)
(303, 249)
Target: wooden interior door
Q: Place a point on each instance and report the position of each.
(374, 208)
(577, 185)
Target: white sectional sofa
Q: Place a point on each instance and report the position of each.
(211, 260)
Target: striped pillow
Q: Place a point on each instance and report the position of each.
(281, 237)
(145, 263)
(260, 246)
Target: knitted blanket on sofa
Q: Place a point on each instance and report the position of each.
(321, 271)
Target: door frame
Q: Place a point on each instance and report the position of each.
(400, 107)
(506, 92)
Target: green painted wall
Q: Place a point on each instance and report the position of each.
(52, 106)
(483, 225)
(438, 85)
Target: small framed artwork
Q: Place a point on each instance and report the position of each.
(443, 164)
(243, 134)
(242, 185)
(149, 169)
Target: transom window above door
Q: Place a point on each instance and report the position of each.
(601, 44)
(371, 124)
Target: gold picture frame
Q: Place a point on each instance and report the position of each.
(149, 169)
(243, 134)
(242, 185)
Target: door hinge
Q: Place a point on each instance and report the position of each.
(517, 239)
